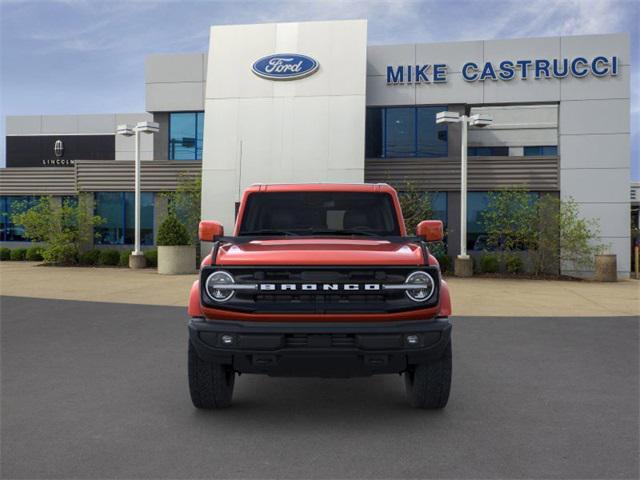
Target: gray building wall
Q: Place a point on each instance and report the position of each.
(591, 126)
(592, 129)
(175, 82)
(161, 139)
(103, 124)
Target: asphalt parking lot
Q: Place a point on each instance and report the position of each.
(99, 390)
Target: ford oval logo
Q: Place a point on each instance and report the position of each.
(285, 66)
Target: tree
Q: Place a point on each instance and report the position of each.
(510, 220)
(416, 206)
(550, 229)
(573, 239)
(63, 227)
(184, 203)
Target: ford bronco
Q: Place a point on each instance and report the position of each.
(320, 280)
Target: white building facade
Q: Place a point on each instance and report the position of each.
(312, 102)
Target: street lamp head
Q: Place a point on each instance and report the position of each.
(148, 127)
(447, 117)
(480, 120)
(124, 129)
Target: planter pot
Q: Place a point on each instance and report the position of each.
(606, 268)
(463, 267)
(177, 259)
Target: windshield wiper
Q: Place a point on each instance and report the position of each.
(267, 232)
(344, 232)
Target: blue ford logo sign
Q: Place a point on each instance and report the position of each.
(285, 66)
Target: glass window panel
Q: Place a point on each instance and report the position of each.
(182, 136)
(146, 218)
(312, 213)
(432, 138)
(199, 134)
(400, 132)
(15, 233)
(117, 208)
(532, 151)
(8, 206)
(477, 202)
(109, 207)
(439, 206)
(545, 150)
(499, 151)
(3, 218)
(374, 131)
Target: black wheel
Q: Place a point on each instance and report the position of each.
(428, 384)
(210, 384)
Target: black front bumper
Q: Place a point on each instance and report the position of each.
(319, 349)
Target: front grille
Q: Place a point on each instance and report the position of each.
(320, 301)
(320, 298)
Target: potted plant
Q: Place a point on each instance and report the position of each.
(176, 254)
(606, 265)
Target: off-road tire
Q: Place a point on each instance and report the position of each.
(427, 385)
(210, 384)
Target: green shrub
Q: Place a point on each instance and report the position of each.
(34, 254)
(18, 254)
(61, 254)
(513, 263)
(489, 263)
(172, 232)
(124, 258)
(5, 254)
(152, 258)
(90, 257)
(63, 227)
(109, 257)
(444, 261)
(185, 203)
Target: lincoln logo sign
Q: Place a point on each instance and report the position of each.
(505, 70)
(285, 66)
(58, 148)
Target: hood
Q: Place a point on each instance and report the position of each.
(320, 251)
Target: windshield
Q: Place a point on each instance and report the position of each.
(319, 213)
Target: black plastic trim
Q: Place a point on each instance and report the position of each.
(263, 347)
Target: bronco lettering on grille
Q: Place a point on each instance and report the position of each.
(326, 287)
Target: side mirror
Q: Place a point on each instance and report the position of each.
(209, 231)
(430, 230)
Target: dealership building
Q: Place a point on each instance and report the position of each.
(312, 102)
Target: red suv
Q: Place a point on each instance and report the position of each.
(320, 280)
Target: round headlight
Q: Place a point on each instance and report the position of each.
(425, 286)
(215, 286)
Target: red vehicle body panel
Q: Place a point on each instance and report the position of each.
(320, 251)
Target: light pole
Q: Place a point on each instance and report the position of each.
(463, 264)
(136, 259)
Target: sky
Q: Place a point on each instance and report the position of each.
(87, 56)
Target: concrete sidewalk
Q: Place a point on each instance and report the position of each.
(471, 297)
